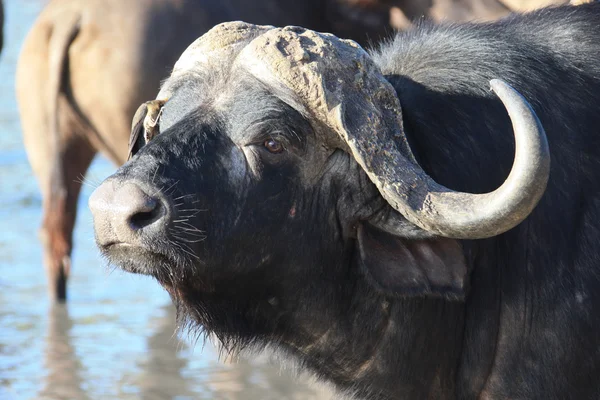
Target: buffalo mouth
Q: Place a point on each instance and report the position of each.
(136, 259)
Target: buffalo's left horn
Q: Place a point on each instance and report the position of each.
(470, 216)
(352, 106)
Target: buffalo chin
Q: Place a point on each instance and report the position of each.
(237, 316)
(236, 320)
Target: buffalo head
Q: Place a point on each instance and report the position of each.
(280, 185)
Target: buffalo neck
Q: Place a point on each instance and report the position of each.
(380, 348)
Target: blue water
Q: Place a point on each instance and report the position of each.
(116, 337)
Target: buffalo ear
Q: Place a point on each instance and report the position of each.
(403, 267)
(136, 138)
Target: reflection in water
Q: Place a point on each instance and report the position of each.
(259, 380)
(162, 372)
(63, 378)
(163, 360)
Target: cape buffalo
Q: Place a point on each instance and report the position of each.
(86, 65)
(297, 196)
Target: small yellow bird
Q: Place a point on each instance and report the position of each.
(146, 119)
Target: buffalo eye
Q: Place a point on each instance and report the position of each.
(273, 146)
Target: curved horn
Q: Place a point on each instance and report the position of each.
(346, 94)
(438, 209)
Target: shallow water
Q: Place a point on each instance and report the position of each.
(115, 338)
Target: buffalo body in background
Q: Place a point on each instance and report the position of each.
(373, 15)
(293, 197)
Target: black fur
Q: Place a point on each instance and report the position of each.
(280, 263)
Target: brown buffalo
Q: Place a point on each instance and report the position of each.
(86, 65)
(402, 13)
(529, 5)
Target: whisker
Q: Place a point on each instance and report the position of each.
(195, 235)
(84, 181)
(185, 223)
(186, 240)
(92, 178)
(188, 251)
(193, 214)
(188, 231)
(171, 187)
(154, 176)
(184, 196)
(158, 190)
(163, 191)
(191, 227)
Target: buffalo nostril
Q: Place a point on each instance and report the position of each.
(146, 214)
(126, 213)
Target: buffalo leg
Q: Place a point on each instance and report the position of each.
(60, 210)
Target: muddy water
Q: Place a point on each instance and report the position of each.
(115, 339)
